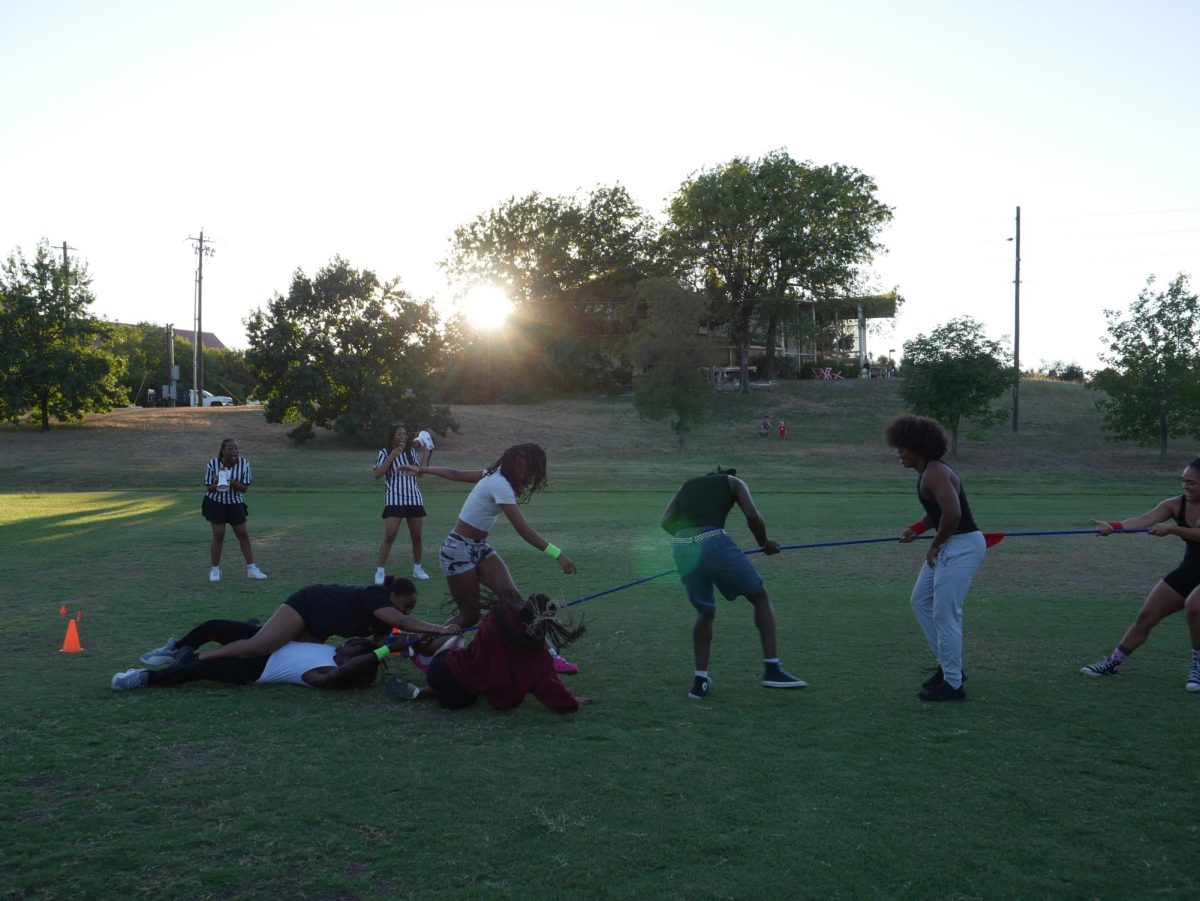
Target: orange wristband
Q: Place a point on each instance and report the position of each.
(918, 527)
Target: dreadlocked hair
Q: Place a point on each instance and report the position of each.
(538, 620)
(535, 469)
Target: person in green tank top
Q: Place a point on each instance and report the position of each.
(706, 557)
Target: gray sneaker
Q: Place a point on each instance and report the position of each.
(167, 654)
(398, 688)
(131, 678)
(1193, 682)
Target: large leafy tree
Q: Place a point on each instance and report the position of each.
(1151, 387)
(343, 351)
(670, 351)
(760, 234)
(143, 347)
(954, 373)
(570, 265)
(49, 359)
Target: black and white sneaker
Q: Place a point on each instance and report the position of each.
(1105, 667)
(399, 688)
(699, 688)
(1193, 682)
(775, 677)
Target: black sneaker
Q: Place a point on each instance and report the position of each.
(699, 688)
(942, 692)
(938, 678)
(775, 677)
(1105, 667)
(399, 688)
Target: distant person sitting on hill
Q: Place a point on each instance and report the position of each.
(507, 660)
(782, 429)
(764, 427)
(350, 665)
(707, 558)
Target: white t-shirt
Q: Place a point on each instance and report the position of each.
(289, 664)
(483, 503)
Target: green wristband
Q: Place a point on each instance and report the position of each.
(552, 552)
(383, 653)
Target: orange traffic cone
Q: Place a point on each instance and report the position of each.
(71, 641)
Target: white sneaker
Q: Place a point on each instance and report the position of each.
(419, 572)
(253, 572)
(131, 678)
(380, 575)
(214, 575)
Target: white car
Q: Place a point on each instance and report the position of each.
(214, 400)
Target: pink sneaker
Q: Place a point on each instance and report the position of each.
(565, 667)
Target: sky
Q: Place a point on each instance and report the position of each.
(291, 132)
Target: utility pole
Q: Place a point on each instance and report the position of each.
(198, 347)
(1016, 389)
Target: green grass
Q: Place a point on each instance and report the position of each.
(1044, 784)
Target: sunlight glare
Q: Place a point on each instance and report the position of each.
(486, 307)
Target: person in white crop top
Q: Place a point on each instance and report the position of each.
(467, 560)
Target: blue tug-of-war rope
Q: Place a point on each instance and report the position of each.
(801, 547)
(999, 536)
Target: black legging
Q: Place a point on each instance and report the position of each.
(237, 670)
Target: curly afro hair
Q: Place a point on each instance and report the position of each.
(920, 435)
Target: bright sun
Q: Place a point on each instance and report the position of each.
(486, 307)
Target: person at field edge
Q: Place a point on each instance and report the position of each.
(316, 612)
(782, 429)
(706, 557)
(508, 659)
(227, 478)
(953, 555)
(402, 497)
(467, 560)
(353, 664)
(1177, 590)
(764, 427)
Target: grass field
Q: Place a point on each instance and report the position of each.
(1043, 784)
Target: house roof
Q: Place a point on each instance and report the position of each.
(211, 341)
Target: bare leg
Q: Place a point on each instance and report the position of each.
(243, 537)
(1192, 606)
(764, 621)
(1162, 601)
(414, 532)
(284, 625)
(391, 526)
(218, 541)
(464, 588)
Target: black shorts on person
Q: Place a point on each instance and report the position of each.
(224, 514)
(345, 610)
(1184, 578)
(450, 692)
(404, 511)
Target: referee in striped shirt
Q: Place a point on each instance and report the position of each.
(227, 477)
(402, 498)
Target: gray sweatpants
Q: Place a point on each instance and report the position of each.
(937, 599)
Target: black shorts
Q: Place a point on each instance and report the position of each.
(224, 514)
(450, 692)
(1184, 578)
(404, 511)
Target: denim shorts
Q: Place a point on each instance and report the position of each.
(460, 555)
(713, 560)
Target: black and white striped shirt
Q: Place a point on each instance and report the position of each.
(239, 472)
(402, 490)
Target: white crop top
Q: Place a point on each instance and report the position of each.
(483, 503)
(289, 664)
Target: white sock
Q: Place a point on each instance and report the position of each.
(702, 673)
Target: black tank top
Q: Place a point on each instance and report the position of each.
(704, 502)
(966, 522)
(1191, 553)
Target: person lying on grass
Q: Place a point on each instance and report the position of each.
(317, 612)
(507, 660)
(351, 665)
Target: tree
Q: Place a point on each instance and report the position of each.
(758, 235)
(669, 350)
(343, 351)
(1152, 386)
(570, 266)
(49, 359)
(954, 373)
